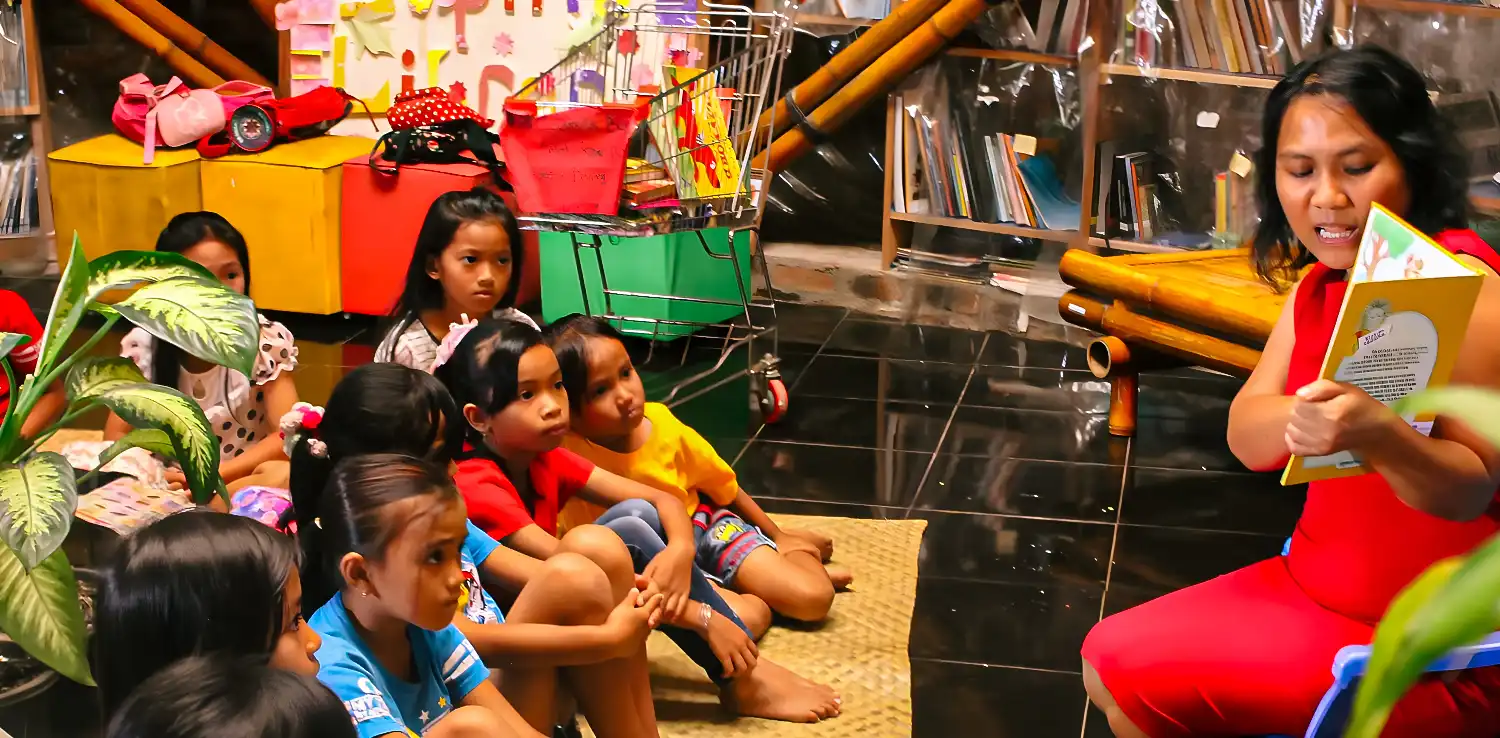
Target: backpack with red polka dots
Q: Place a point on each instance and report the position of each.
(433, 126)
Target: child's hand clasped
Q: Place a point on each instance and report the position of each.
(632, 620)
(672, 570)
(1329, 417)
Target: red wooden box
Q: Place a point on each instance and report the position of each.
(380, 217)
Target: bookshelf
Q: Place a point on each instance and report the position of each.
(1192, 101)
(25, 242)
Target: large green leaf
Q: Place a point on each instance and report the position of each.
(68, 307)
(9, 342)
(151, 439)
(146, 405)
(39, 610)
(205, 318)
(37, 500)
(125, 269)
(1476, 407)
(93, 376)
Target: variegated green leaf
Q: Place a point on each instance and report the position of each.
(39, 610)
(68, 307)
(1478, 408)
(37, 500)
(151, 439)
(95, 375)
(9, 342)
(203, 317)
(196, 448)
(125, 269)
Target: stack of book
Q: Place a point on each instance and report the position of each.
(1140, 200)
(1242, 36)
(18, 195)
(946, 169)
(1234, 203)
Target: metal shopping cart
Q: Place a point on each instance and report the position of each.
(708, 150)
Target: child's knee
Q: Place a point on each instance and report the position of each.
(603, 547)
(580, 583)
(803, 598)
(642, 509)
(753, 612)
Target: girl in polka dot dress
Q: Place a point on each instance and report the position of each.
(242, 411)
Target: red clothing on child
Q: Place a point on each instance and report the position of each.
(1251, 652)
(495, 505)
(16, 317)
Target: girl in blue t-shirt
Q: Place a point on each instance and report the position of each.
(386, 535)
(561, 619)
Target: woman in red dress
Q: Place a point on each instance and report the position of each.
(1250, 652)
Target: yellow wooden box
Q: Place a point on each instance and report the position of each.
(286, 202)
(102, 191)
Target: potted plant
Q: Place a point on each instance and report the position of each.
(173, 299)
(1456, 602)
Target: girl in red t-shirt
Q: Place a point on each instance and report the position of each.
(16, 317)
(515, 478)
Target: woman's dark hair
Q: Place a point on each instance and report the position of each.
(349, 514)
(569, 339)
(449, 212)
(191, 583)
(218, 696)
(1391, 97)
(379, 409)
(183, 232)
(483, 369)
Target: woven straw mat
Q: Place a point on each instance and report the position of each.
(861, 650)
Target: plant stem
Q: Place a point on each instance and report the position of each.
(59, 425)
(12, 389)
(33, 388)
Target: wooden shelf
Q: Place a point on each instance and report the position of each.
(1016, 55)
(1433, 6)
(815, 19)
(22, 112)
(1202, 76)
(1008, 229)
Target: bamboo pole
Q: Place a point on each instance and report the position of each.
(143, 34)
(844, 65)
(266, 9)
(1248, 313)
(1137, 330)
(875, 80)
(193, 41)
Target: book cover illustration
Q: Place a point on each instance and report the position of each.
(1399, 330)
(694, 137)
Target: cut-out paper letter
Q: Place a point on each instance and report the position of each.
(408, 81)
(587, 79)
(493, 73)
(461, 10)
(434, 57)
(340, 56)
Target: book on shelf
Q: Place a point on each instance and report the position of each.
(1477, 122)
(1045, 26)
(1234, 202)
(1240, 36)
(1140, 199)
(18, 192)
(1399, 329)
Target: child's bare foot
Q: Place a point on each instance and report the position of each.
(823, 543)
(772, 692)
(841, 576)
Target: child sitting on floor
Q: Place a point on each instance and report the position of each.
(516, 478)
(614, 427)
(543, 623)
(219, 696)
(242, 411)
(198, 582)
(386, 536)
(467, 261)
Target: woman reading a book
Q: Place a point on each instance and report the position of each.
(1250, 652)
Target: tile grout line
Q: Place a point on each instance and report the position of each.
(948, 426)
(793, 385)
(1109, 570)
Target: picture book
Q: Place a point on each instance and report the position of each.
(694, 139)
(1399, 330)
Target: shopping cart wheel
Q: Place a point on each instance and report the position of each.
(773, 404)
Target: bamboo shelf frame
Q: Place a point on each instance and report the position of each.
(1094, 71)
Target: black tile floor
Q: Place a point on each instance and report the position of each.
(1040, 522)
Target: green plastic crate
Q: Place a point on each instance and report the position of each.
(673, 264)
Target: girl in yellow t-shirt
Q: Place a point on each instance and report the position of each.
(614, 427)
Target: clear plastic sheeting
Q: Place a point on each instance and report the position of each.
(1174, 166)
(1047, 27)
(1261, 37)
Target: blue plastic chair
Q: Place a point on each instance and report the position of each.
(1349, 665)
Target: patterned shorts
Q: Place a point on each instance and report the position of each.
(266, 504)
(724, 541)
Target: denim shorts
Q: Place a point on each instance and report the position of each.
(724, 541)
